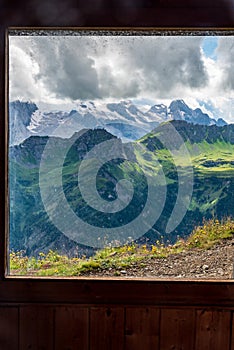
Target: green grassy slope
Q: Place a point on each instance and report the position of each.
(212, 154)
(211, 233)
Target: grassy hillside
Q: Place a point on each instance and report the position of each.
(211, 233)
(211, 150)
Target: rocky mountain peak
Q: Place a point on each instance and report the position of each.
(123, 119)
(23, 110)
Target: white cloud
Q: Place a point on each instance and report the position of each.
(21, 71)
(225, 52)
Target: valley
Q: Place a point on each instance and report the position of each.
(211, 150)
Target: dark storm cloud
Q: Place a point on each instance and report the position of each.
(66, 69)
(225, 54)
(99, 67)
(167, 63)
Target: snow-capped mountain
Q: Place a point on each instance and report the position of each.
(123, 119)
(20, 117)
(179, 110)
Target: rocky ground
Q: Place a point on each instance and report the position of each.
(214, 263)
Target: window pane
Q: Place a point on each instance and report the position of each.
(121, 153)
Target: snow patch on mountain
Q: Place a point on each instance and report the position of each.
(123, 119)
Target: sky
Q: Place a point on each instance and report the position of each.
(145, 69)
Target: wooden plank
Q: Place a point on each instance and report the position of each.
(194, 3)
(162, 14)
(9, 328)
(106, 328)
(177, 329)
(142, 328)
(36, 327)
(3, 173)
(232, 332)
(71, 328)
(168, 16)
(213, 330)
(114, 291)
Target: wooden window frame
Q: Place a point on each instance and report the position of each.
(209, 293)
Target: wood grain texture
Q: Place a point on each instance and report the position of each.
(9, 328)
(177, 329)
(123, 292)
(36, 328)
(142, 328)
(213, 330)
(106, 328)
(232, 332)
(71, 328)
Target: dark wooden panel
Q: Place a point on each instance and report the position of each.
(162, 14)
(197, 3)
(142, 328)
(177, 329)
(213, 330)
(36, 328)
(106, 328)
(71, 328)
(124, 292)
(232, 332)
(9, 328)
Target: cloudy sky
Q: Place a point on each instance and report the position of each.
(147, 70)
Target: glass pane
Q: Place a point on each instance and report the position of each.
(121, 153)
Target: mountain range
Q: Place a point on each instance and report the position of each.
(211, 149)
(123, 119)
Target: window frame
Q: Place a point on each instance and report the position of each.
(219, 293)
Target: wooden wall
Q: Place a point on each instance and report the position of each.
(116, 314)
(114, 328)
(111, 315)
